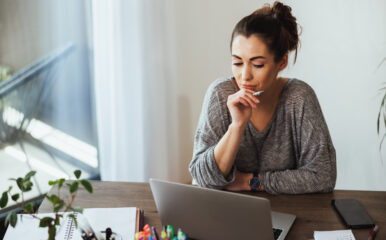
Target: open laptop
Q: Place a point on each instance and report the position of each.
(208, 214)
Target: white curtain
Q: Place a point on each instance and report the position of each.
(135, 89)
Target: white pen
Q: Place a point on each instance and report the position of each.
(258, 93)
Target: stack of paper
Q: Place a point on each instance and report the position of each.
(334, 235)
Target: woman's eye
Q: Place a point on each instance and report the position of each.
(259, 66)
(237, 64)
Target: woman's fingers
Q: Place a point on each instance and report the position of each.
(243, 102)
(248, 102)
(253, 98)
(247, 95)
(244, 97)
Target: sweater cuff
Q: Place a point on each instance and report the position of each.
(220, 179)
(265, 182)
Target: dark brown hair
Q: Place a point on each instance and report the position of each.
(275, 25)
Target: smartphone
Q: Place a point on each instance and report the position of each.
(353, 214)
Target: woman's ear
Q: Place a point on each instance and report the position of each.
(283, 62)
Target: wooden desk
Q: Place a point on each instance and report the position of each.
(313, 211)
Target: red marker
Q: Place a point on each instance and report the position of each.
(373, 233)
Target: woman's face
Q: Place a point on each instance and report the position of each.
(253, 66)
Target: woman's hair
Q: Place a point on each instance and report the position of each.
(275, 25)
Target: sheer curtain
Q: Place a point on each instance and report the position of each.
(135, 83)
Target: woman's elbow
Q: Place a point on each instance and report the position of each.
(328, 182)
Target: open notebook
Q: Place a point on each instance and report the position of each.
(123, 221)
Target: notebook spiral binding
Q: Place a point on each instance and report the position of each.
(70, 227)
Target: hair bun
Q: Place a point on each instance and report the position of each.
(284, 15)
(281, 11)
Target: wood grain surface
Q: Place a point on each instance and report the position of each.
(313, 211)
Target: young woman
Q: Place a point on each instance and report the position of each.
(258, 131)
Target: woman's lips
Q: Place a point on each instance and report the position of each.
(250, 87)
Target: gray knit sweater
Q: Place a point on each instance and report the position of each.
(294, 153)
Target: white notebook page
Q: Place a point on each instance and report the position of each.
(334, 235)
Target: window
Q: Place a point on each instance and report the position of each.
(47, 118)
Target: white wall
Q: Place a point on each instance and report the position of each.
(342, 44)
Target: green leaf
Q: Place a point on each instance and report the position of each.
(74, 187)
(87, 185)
(46, 221)
(61, 182)
(53, 198)
(4, 200)
(43, 223)
(52, 183)
(29, 175)
(59, 206)
(74, 219)
(29, 208)
(77, 173)
(15, 197)
(9, 189)
(27, 186)
(51, 233)
(77, 209)
(11, 219)
(19, 182)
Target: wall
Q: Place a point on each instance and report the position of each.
(342, 45)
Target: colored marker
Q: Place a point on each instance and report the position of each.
(373, 232)
(180, 234)
(146, 228)
(164, 235)
(170, 231)
(155, 233)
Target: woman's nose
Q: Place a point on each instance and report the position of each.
(246, 73)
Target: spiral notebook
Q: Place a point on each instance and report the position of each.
(123, 221)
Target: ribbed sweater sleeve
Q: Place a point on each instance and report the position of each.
(213, 123)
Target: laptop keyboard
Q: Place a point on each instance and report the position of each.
(276, 233)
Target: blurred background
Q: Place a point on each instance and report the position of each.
(47, 109)
(115, 88)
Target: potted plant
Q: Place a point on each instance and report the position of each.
(59, 203)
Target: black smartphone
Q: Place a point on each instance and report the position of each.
(353, 214)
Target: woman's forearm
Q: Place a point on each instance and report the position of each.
(226, 149)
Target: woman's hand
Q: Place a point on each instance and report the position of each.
(240, 106)
(241, 182)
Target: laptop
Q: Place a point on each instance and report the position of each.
(208, 214)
